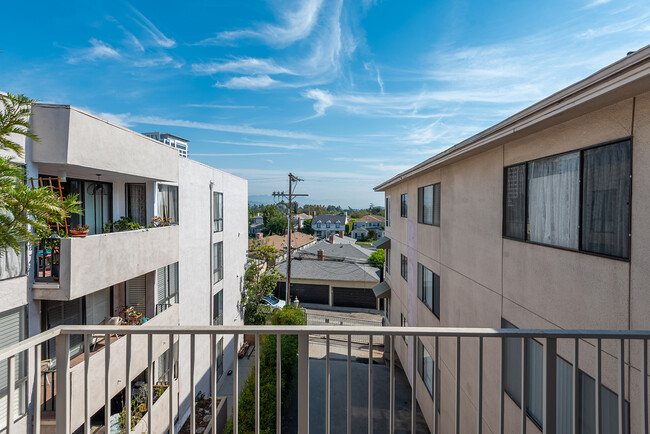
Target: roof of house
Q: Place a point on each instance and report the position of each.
(325, 217)
(360, 229)
(335, 251)
(330, 270)
(344, 240)
(301, 216)
(371, 218)
(622, 79)
(280, 241)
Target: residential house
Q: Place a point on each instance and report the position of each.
(171, 140)
(184, 272)
(363, 225)
(329, 224)
(257, 225)
(299, 241)
(537, 223)
(299, 219)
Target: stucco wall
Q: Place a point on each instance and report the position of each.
(485, 278)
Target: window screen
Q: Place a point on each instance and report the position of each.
(429, 289)
(425, 367)
(404, 206)
(606, 199)
(514, 209)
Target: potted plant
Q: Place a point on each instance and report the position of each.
(79, 231)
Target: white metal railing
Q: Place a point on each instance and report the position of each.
(479, 335)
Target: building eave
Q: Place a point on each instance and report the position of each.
(614, 83)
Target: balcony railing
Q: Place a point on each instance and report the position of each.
(48, 259)
(569, 339)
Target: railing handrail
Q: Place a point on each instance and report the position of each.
(331, 330)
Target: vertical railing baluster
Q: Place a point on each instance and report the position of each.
(257, 384)
(501, 392)
(479, 427)
(87, 342)
(370, 404)
(235, 385)
(193, 383)
(170, 376)
(63, 384)
(327, 384)
(391, 412)
(644, 386)
(213, 379)
(457, 405)
(107, 381)
(524, 404)
(597, 387)
(278, 383)
(550, 386)
(128, 383)
(11, 395)
(303, 383)
(349, 386)
(576, 372)
(37, 389)
(414, 401)
(149, 383)
(436, 387)
(621, 385)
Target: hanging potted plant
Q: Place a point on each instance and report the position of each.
(79, 231)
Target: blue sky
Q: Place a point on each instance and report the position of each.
(344, 94)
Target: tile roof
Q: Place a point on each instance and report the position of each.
(371, 218)
(335, 251)
(280, 241)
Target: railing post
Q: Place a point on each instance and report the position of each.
(37, 389)
(550, 385)
(63, 384)
(11, 395)
(303, 383)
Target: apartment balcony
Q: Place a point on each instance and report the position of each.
(74, 140)
(468, 387)
(69, 268)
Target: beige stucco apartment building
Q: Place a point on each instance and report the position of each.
(541, 221)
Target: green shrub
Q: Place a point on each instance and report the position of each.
(289, 315)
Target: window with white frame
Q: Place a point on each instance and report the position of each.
(167, 199)
(387, 211)
(217, 308)
(13, 329)
(219, 358)
(404, 265)
(217, 212)
(387, 261)
(404, 205)
(167, 287)
(217, 262)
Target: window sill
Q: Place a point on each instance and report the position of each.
(567, 249)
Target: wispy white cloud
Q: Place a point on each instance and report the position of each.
(238, 155)
(97, 50)
(296, 23)
(291, 146)
(637, 23)
(250, 82)
(156, 35)
(128, 119)
(242, 65)
(373, 68)
(226, 106)
(596, 3)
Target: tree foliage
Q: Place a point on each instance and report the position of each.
(377, 258)
(289, 315)
(276, 226)
(306, 227)
(260, 279)
(25, 212)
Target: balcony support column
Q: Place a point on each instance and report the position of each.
(63, 384)
(550, 386)
(303, 383)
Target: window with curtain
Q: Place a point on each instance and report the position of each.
(136, 203)
(217, 262)
(606, 199)
(168, 202)
(217, 212)
(554, 200)
(429, 289)
(425, 367)
(167, 286)
(404, 267)
(13, 329)
(429, 204)
(404, 205)
(12, 263)
(579, 200)
(98, 205)
(514, 197)
(217, 308)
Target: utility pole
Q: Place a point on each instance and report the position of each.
(292, 180)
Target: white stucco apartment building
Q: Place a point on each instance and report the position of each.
(185, 272)
(539, 222)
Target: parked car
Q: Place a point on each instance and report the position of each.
(273, 302)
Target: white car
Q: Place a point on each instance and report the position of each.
(273, 302)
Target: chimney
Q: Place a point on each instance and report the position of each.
(259, 236)
(321, 255)
(299, 223)
(332, 238)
